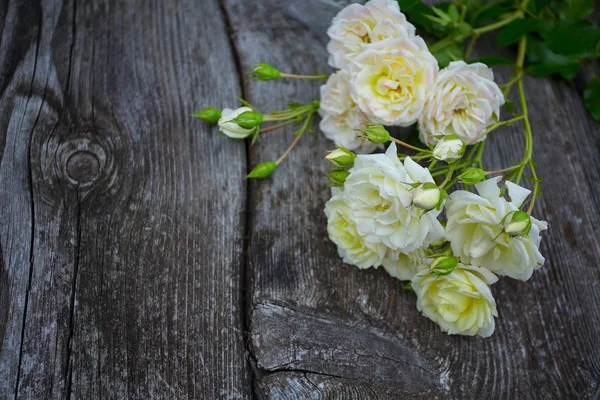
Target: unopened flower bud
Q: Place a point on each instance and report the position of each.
(341, 157)
(427, 196)
(449, 148)
(377, 134)
(249, 119)
(338, 177)
(262, 170)
(443, 265)
(265, 72)
(517, 223)
(230, 128)
(471, 176)
(210, 115)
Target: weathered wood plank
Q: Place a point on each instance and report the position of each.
(301, 294)
(124, 217)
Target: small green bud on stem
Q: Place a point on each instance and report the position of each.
(443, 265)
(341, 157)
(210, 115)
(377, 134)
(262, 170)
(338, 177)
(517, 223)
(249, 119)
(471, 176)
(265, 72)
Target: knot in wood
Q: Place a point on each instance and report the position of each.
(82, 160)
(83, 167)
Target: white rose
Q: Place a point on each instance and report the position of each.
(460, 302)
(379, 198)
(390, 80)
(404, 266)
(353, 28)
(342, 120)
(476, 232)
(465, 100)
(231, 129)
(352, 247)
(449, 148)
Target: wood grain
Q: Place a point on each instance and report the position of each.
(122, 218)
(545, 344)
(133, 254)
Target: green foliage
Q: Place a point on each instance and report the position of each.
(559, 35)
(573, 9)
(591, 97)
(574, 38)
(544, 62)
(418, 13)
(492, 61)
(447, 54)
(514, 31)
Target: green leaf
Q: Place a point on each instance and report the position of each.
(514, 31)
(447, 54)
(544, 62)
(591, 98)
(574, 38)
(490, 12)
(491, 61)
(575, 9)
(417, 13)
(536, 6)
(509, 106)
(262, 170)
(453, 12)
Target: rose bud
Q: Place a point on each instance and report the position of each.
(210, 115)
(443, 265)
(449, 148)
(517, 223)
(265, 72)
(471, 176)
(228, 127)
(427, 196)
(341, 157)
(377, 134)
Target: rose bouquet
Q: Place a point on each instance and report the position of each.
(427, 213)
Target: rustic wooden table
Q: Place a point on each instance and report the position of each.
(136, 261)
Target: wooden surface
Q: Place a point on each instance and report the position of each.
(136, 262)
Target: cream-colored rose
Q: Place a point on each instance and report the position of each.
(356, 26)
(390, 80)
(230, 128)
(461, 302)
(352, 247)
(464, 101)
(404, 266)
(379, 196)
(476, 232)
(342, 120)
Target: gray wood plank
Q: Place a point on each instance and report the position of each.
(545, 344)
(122, 218)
